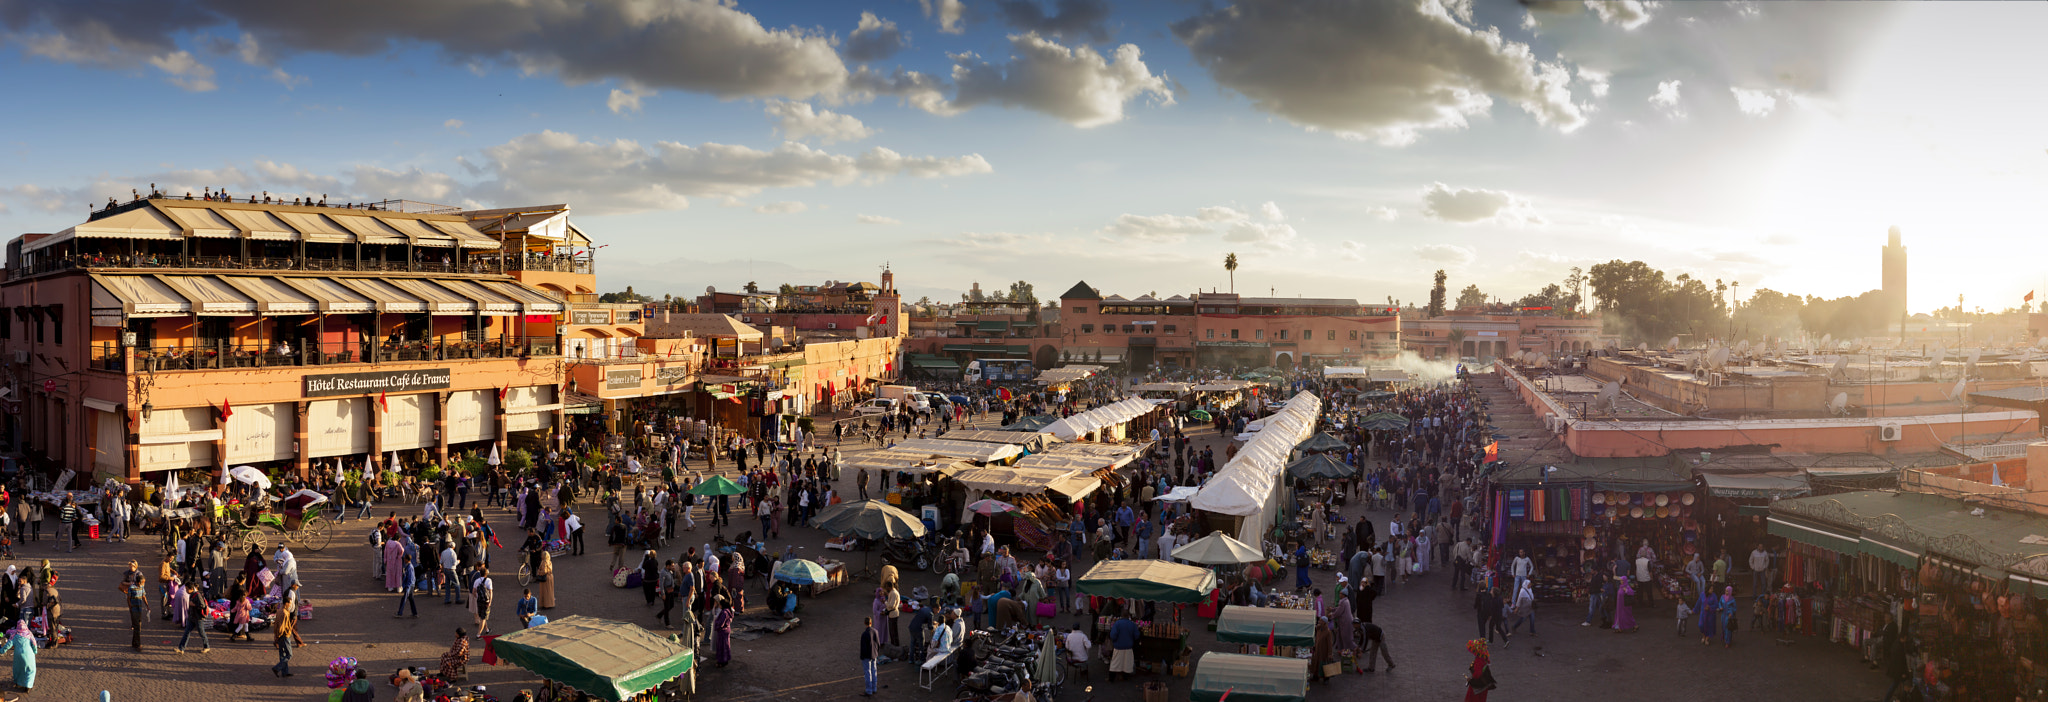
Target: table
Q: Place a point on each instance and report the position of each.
(835, 576)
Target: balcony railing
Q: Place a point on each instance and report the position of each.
(74, 262)
(108, 355)
(542, 262)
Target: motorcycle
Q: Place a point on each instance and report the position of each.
(911, 552)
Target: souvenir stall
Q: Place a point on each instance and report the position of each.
(1043, 499)
(607, 660)
(1967, 580)
(1566, 514)
(1228, 676)
(1253, 628)
(1112, 585)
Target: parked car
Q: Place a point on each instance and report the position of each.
(880, 405)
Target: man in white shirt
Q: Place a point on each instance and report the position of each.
(1166, 541)
(1522, 567)
(451, 588)
(1759, 567)
(574, 525)
(1077, 645)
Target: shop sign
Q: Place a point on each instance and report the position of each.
(331, 384)
(671, 375)
(591, 317)
(622, 379)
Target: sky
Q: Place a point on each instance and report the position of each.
(1341, 148)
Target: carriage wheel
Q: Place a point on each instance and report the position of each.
(253, 538)
(525, 576)
(316, 534)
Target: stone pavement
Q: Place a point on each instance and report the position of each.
(1426, 625)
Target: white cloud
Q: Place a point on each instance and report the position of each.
(1755, 103)
(1469, 205)
(1384, 71)
(1383, 213)
(799, 121)
(1229, 224)
(452, 124)
(1171, 229)
(876, 219)
(874, 39)
(185, 71)
(1666, 98)
(948, 13)
(1078, 85)
(1349, 250)
(785, 207)
(1627, 14)
(626, 100)
(1594, 80)
(624, 176)
(1447, 254)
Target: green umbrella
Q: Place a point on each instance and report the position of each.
(801, 572)
(1200, 416)
(868, 519)
(1320, 465)
(717, 485)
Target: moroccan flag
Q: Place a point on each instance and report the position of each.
(227, 409)
(1493, 451)
(2029, 297)
(384, 402)
(502, 391)
(1270, 650)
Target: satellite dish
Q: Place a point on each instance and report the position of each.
(1840, 369)
(1671, 345)
(1957, 392)
(1976, 354)
(1609, 394)
(1718, 358)
(1827, 341)
(1840, 405)
(1742, 348)
(708, 289)
(1940, 356)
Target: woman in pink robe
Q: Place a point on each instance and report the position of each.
(394, 553)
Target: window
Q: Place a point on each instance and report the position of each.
(1147, 328)
(1109, 329)
(57, 323)
(1087, 328)
(1307, 335)
(1080, 310)
(6, 323)
(1283, 335)
(1130, 329)
(3, 332)
(1332, 336)
(1354, 335)
(1212, 333)
(1233, 333)
(1259, 334)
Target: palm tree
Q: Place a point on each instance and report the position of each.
(1230, 264)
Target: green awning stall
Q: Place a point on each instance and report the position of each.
(996, 326)
(1252, 625)
(1832, 538)
(606, 659)
(1249, 678)
(1154, 580)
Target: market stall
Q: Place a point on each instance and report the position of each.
(1243, 497)
(1594, 509)
(1162, 639)
(1242, 678)
(1258, 626)
(1030, 441)
(1043, 498)
(1105, 423)
(978, 452)
(608, 660)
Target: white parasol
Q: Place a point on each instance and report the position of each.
(493, 460)
(251, 476)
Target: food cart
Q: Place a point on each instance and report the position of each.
(1257, 626)
(1249, 679)
(1162, 640)
(608, 660)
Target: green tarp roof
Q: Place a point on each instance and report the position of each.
(610, 660)
(1995, 539)
(1249, 678)
(1251, 625)
(1155, 580)
(1650, 474)
(992, 325)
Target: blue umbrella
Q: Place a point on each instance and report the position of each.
(801, 572)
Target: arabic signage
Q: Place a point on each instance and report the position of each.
(332, 384)
(622, 379)
(671, 375)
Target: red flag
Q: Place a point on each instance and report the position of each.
(1226, 695)
(227, 409)
(2030, 296)
(1493, 451)
(502, 391)
(384, 402)
(1270, 650)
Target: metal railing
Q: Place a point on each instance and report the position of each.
(80, 261)
(541, 262)
(109, 356)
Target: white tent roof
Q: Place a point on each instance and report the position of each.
(1072, 428)
(978, 451)
(1243, 485)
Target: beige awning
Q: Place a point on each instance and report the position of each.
(145, 223)
(261, 225)
(488, 301)
(210, 297)
(440, 300)
(203, 222)
(889, 459)
(536, 302)
(1015, 480)
(314, 227)
(368, 229)
(273, 296)
(143, 296)
(1075, 487)
(468, 236)
(388, 297)
(331, 296)
(419, 232)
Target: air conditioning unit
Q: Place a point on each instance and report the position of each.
(1890, 431)
(831, 325)
(1715, 379)
(21, 356)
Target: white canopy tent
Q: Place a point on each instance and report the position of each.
(1112, 414)
(977, 451)
(1247, 486)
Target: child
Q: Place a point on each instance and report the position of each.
(1684, 615)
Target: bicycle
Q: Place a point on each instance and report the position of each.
(556, 548)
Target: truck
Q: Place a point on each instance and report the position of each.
(1000, 370)
(907, 394)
